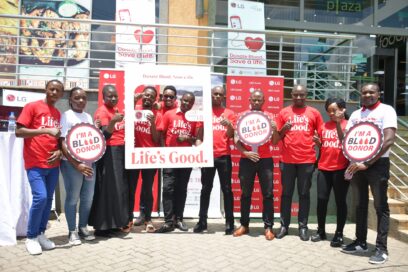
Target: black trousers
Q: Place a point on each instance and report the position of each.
(326, 180)
(247, 172)
(146, 194)
(223, 166)
(175, 181)
(377, 178)
(302, 173)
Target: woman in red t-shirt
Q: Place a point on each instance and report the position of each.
(332, 165)
(110, 206)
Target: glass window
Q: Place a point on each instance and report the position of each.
(339, 11)
(282, 10)
(393, 14)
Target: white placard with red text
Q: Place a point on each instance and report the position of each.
(246, 51)
(13, 98)
(239, 89)
(133, 43)
(192, 78)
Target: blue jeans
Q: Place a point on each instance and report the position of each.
(77, 187)
(42, 182)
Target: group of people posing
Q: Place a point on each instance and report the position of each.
(106, 190)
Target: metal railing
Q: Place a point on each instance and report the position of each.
(34, 49)
(399, 165)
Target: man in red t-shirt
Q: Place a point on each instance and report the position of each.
(39, 125)
(223, 130)
(297, 124)
(146, 135)
(256, 163)
(178, 131)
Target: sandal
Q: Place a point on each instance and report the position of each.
(127, 228)
(150, 227)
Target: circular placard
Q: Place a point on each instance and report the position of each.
(85, 142)
(254, 128)
(362, 142)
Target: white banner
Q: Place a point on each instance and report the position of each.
(246, 51)
(192, 207)
(17, 98)
(135, 44)
(184, 78)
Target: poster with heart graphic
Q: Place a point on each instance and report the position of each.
(135, 44)
(246, 51)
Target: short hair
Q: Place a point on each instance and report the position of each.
(171, 87)
(71, 92)
(219, 86)
(107, 88)
(56, 81)
(151, 88)
(189, 93)
(377, 87)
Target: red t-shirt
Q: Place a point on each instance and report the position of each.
(143, 134)
(164, 109)
(331, 155)
(106, 114)
(175, 124)
(264, 150)
(220, 139)
(37, 115)
(298, 145)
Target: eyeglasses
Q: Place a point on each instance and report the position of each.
(169, 96)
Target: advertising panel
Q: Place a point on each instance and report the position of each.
(239, 89)
(135, 44)
(47, 47)
(246, 51)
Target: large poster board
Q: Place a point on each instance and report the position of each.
(135, 44)
(239, 89)
(246, 51)
(46, 47)
(187, 78)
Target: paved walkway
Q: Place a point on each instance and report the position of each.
(212, 251)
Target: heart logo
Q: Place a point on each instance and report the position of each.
(254, 44)
(147, 36)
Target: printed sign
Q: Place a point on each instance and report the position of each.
(362, 142)
(246, 51)
(85, 143)
(186, 79)
(13, 98)
(254, 129)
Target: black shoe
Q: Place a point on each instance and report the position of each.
(355, 247)
(337, 240)
(139, 221)
(282, 233)
(181, 225)
(303, 234)
(103, 233)
(319, 236)
(229, 228)
(200, 227)
(165, 228)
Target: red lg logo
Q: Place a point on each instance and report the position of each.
(11, 98)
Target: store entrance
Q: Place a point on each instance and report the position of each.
(389, 68)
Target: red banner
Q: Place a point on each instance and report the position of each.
(117, 79)
(239, 89)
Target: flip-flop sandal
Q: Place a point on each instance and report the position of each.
(150, 227)
(127, 228)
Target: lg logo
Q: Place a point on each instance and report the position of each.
(11, 98)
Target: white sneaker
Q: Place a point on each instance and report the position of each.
(85, 234)
(45, 243)
(74, 238)
(33, 246)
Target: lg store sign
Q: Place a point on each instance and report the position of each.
(15, 98)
